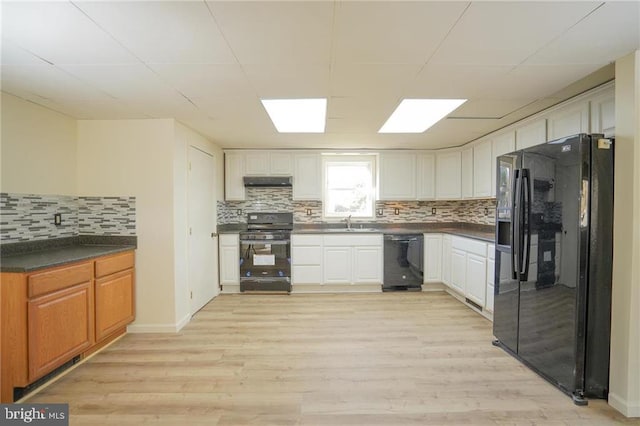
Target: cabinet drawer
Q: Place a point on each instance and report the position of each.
(353, 240)
(470, 246)
(113, 264)
(306, 255)
(306, 240)
(59, 278)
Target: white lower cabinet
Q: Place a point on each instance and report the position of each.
(446, 259)
(352, 259)
(491, 265)
(476, 278)
(432, 258)
(229, 259)
(458, 270)
(337, 265)
(306, 259)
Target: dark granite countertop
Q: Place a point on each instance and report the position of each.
(31, 256)
(479, 232)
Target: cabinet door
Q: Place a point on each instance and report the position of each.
(367, 265)
(336, 263)
(603, 113)
(531, 134)
(476, 278)
(502, 144)
(233, 174)
(60, 326)
(280, 163)
(432, 258)
(482, 177)
(256, 163)
(458, 270)
(466, 174)
(229, 259)
(448, 175)
(114, 298)
(567, 121)
(397, 176)
(446, 259)
(426, 177)
(307, 177)
(306, 274)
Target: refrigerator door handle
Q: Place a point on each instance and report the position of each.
(515, 194)
(526, 219)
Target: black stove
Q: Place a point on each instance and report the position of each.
(265, 253)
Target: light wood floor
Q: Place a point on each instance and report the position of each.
(389, 358)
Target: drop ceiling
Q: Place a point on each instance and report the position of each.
(208, 63)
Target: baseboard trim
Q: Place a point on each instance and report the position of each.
(336, 288)
(184, 321)
(623, 406)
(154, 328)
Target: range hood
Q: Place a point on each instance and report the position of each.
(267, 181)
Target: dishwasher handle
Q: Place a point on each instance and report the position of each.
(399, 237)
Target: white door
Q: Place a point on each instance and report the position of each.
(203, 245)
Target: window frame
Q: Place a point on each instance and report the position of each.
(327, 160)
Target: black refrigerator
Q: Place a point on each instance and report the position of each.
(554, 226)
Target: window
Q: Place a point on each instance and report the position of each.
(349, 186)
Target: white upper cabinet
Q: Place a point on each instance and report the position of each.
(482, 177)
(307, 177)
(256, 163)
(397, 176)
(502, 144)
(533, 133)
(268, 163)
(280, 164)
(568, 120)
(426, 174)
(233, 174)
(467, 173)
(603, 113)
(448, 167)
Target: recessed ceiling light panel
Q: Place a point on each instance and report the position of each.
(417, 115)
(297, 115)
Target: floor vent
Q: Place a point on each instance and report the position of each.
(472, 303)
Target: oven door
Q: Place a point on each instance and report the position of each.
(265, 265)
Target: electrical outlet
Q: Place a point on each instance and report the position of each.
(308, 212)
(396, 211)
(433, 210)
(57, 219)
(486, 211)
(239, 212)
(380, 212)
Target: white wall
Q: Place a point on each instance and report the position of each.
(624, 381)
(38, 149)
(135, 157)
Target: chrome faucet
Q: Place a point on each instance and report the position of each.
(348, 220)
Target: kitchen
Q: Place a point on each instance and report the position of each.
(125, 145)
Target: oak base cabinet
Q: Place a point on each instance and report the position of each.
(52, 315)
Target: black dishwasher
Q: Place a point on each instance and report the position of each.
(403, 262)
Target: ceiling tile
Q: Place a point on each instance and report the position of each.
(60, 33)
(506, 33)
(163, 31)
(206, 80)
(455, 81)
(488, 108)
(127, 82)
(276, 32)
(391, 32)
(285, 81)
(609, 33)
(364, 79)
(47, 81)
(13, 54)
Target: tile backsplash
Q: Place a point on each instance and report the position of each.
(27, 217)
(280, 200)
